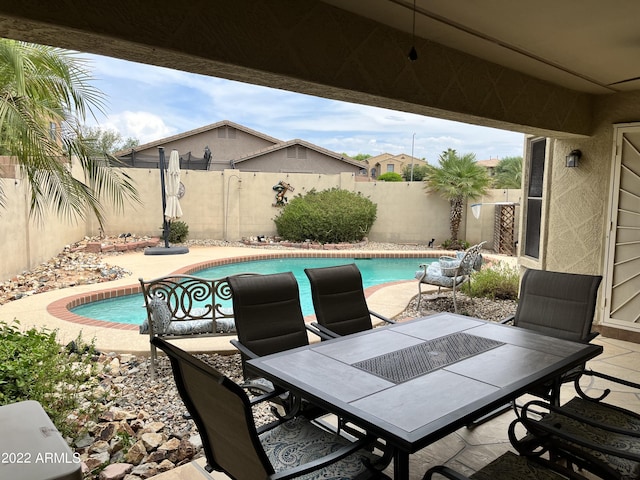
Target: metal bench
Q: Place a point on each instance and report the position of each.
(185, 306)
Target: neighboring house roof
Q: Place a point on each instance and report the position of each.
(303, 143)
(206, 128)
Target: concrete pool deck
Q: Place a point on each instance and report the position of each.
(49, 309)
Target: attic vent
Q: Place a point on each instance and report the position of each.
(226, 132)
(296, 151)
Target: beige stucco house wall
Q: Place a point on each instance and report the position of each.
(387, 162)
(298, 156)
(577, 200)
(235, 146)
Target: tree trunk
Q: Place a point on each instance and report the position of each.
(455, 218)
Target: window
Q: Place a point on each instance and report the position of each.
(534, 198)
(390, 167)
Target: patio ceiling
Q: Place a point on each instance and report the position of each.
(532, 67)
(586, 45)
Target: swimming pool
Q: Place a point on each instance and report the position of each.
(129, 309)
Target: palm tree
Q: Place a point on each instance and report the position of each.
(457, 179)
(45, 96)
(508, 173)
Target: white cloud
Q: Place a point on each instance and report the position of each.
(150, 103)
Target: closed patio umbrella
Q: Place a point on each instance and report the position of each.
(173, 210)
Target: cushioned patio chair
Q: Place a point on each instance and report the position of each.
(509, 466)
(234, 445)
(450, 272)
(559, 305)
(339, 301)
(600, 438)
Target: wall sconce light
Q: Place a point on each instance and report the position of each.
(573, 158)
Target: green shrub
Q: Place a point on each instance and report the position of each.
(449, 244)
(390, 177)
(178, 232)
(329, 216)
(33, 366)
(500, 281)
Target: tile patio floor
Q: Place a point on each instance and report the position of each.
(468, 450)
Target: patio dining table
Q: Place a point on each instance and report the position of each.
(415, 382)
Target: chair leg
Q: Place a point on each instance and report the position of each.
(455, 305)
(419, 294)
(152, 363)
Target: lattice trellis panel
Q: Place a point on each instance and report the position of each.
(504, 229)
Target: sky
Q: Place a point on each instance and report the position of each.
(150, 103)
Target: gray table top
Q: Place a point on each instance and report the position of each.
(414, 382)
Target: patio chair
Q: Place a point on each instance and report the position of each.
(509, 466)
(560, 305)
(268, 319)
(234, 445)
(339, 301)
(450, 272)
(599, 438)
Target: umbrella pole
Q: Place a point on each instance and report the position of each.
(166, 250)
(165, 223)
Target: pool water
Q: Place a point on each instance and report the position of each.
(130, 308)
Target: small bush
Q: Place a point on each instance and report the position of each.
(498, 282)
(33, 366)
(390, 177)
(449, 244)
(329, 216)
(178, 232)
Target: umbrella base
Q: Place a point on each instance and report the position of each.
(165, 250)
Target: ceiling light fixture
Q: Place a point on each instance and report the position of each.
(413, 54)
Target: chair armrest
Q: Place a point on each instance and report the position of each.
(607, 391)
(322, 462)
(590, 337)
(325, 331)
(509, 319)
(381, 317)
(264, 397)
(553, 434)
(244, 350)
(445, 472)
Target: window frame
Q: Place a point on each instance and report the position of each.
(535, 201)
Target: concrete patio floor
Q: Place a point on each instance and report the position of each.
(465, 450)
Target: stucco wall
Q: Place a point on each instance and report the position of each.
(27, 242)
(578, 199)
(306, 160)
(232, 205)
